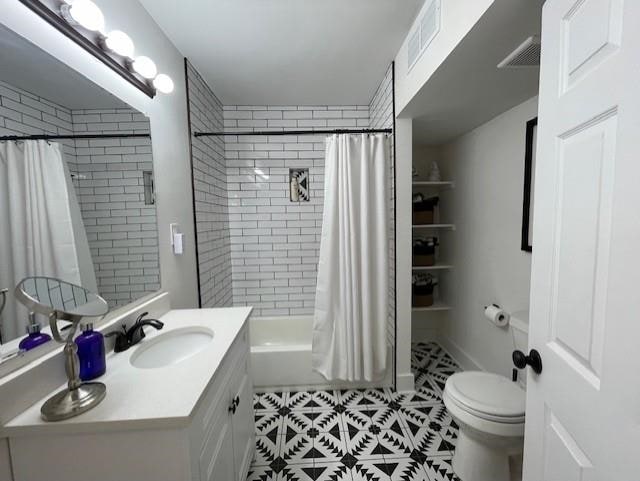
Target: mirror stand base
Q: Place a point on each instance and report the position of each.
(69, 403)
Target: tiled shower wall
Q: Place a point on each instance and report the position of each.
(22, 113)
(210, 192)
(122, 230)
(275, 242)
(381, 112)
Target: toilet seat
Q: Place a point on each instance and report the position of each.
(488, 396)
(489, 410)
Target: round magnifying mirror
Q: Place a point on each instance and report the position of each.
(64, 300)
(57, 300)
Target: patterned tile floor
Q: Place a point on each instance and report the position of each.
(360, 435)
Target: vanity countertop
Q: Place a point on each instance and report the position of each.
(163, 397)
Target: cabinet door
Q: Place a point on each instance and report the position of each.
(243, 421)
(216, 458)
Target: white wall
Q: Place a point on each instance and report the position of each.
(167, 113)
(457, 18)
(404, 159)
(487, 165)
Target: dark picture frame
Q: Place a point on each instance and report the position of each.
(526, 243)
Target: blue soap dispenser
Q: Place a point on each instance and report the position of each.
(91, 353)
(34, 338)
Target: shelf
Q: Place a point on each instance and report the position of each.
(433, 268)
(444, 184)
(434, 226)
(437, 306)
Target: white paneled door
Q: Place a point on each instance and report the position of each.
(583, 410)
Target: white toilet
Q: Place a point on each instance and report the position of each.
(489, 409)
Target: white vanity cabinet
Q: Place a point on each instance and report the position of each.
(222, 435)
(215, 442)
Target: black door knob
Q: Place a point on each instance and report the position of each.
(521, 360)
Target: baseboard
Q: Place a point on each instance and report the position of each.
(405, 382)
(467, 362)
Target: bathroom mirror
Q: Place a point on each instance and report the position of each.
(77, 199)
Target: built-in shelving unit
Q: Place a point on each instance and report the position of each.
(437, 306)
(436, 267)
(432, 188)
(434, 226)
(444, 184)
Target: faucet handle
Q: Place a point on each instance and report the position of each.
(141, 316)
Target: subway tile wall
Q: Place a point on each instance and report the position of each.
(121, 230)
(275, 242)
(23, 113)
(210, 192)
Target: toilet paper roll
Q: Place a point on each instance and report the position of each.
(497, 315)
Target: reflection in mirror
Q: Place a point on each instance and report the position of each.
(76, 187)
(69, 301)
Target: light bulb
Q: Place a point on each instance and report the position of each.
(120, 43)
(84, 13)
(145, 67)
(163, 83)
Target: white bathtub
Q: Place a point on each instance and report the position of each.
(281, 355)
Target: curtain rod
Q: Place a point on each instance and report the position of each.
(296, 132)
(72, 137)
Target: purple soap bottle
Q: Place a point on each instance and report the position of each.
(91, 353)
(34, 337)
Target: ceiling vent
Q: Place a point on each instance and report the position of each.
(414, 47)
(426, 30)
(526, 55)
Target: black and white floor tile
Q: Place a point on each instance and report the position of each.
(360, 434)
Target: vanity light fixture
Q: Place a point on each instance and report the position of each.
(145, 67)
(84, 13)
(163, 83)
(115, 49)
(119, 42)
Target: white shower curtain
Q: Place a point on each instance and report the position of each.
(349, 341)
(37, 237)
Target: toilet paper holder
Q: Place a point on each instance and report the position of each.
(498, 316)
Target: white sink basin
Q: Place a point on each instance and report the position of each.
(171, 347)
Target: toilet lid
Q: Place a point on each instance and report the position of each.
(488, 394)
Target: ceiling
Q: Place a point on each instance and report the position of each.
(296, 52)
(26, 66)
(468, 89)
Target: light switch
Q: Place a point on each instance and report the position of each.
(177, 239)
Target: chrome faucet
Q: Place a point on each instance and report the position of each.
(127, 338)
